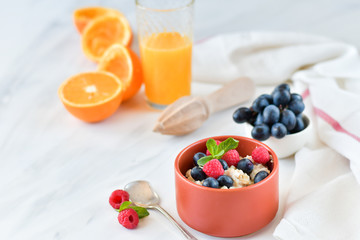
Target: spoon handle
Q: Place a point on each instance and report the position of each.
(169, 217)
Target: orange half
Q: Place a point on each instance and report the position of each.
(103, 32)
(125, 64)
(83, 16)
(91, 96)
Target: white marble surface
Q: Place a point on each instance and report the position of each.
(57, 172)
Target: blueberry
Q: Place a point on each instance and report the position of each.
(242, 114)
(260, 176)
(197, 174)
(268, 97)
(271, 115)
(245, 165)
(295, 96)
(296, 106)
(259, 104)
(281, 97)
(224, 164)
(253, 117)
(278, 130)
(288, 118)
(282, 87)
(261, 132)
(211, 182)
(300, 125)
(197, 156)
(259, 119)
(225, 180)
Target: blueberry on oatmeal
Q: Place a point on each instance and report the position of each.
(224, 164)
(246, 165)
(260, 176)
(211, 182)
(197, 174)
(225, 180)
(197, 156)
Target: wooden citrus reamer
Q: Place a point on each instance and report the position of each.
(188, 113)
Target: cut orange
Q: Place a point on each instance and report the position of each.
(103, 32)
(125, 64)
(83, 16)
(91, 96)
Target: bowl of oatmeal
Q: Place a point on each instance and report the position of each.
(226, 210)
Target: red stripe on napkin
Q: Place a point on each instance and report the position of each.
(305, 94)
(330, 120)
(335, 124)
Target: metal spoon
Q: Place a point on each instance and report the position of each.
(142, 195)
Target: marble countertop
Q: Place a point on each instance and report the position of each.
(57, 172)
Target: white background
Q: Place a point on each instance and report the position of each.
(57, 172)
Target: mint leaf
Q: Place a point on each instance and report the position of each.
(141, 212)
(217, 151)
(124, 206)
(212, 146)
(219, 154)
(227, 145)
(202, 161)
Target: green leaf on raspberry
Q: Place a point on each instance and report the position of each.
(219, 154)
(124, 206)
(212, 146)
(141, 212)
(217, 151)
(202, 161)
(227, 145)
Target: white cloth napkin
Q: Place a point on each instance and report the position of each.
(323, 202)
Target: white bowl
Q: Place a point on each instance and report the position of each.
(289, 144)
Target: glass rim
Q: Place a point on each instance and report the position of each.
(139, 5)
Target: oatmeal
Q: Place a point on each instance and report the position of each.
(240, 179)
(223, 167)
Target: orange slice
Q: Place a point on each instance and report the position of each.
(103, 32)
(91, 96)
(83, 16)
(125, 64)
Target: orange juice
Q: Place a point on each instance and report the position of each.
(166, 61)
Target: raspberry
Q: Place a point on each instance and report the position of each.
(128, 218)
(117, 197)
(231, 157)
(217, 143)
(260, 155)
(213, 168)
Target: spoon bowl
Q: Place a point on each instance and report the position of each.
(142, 195)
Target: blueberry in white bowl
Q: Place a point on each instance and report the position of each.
(276, 119)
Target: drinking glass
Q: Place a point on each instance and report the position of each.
(165, 30)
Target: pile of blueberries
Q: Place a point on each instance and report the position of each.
(275, 115)
(244, 164)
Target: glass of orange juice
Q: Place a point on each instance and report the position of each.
(165, 36)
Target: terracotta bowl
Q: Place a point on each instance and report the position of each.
(226, 212)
